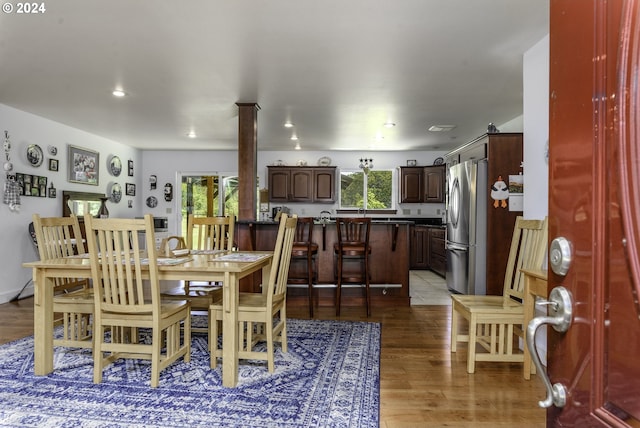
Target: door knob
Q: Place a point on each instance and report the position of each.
(560, 315)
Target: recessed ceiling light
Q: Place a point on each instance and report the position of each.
(297, 146)
(294, 137)
(118, 93)
(441, 128)
(288, 125)
(191, 134)
(389, 124)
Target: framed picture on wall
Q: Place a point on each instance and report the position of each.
(130, 189)
(84, 166)
(130, 164)
(53, 164)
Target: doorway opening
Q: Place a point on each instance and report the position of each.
(207, 194)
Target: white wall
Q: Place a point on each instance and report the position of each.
(536, 136)
(536, 129)
(24, 129)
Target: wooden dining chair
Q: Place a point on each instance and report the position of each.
(127, 298)
(353, 247)
(494, 321)
(55, 238)
(203, 234)
(267, 309)
(305, 250)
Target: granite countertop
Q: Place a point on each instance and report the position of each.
(421, 221)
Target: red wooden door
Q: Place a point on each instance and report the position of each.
(594, 202)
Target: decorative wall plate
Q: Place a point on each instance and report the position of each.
(115, 193)
(152, 202)
(53, 150)
(115, 166)
(324, 161)
(34, 155)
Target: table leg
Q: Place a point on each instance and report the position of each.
(42, 323)
(529, 307)
(230, 341)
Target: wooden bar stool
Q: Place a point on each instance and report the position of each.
(353, 246)
(304, 249)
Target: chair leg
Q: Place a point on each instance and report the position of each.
(283, 332)
(269, 332)
(310, 279)
(339, 285)
(471, 354)
(454, 328)
(98, 337)
(367, 285)
(156, 338)
(213, 339)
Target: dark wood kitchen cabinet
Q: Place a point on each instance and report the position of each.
(411, 183)
(422, 184)
(419, 251)
(302, 184)
(427, 250)
(437, 252)
(324, 185)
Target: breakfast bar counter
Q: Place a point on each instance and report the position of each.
(389, 262)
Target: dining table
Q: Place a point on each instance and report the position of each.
(225, 267)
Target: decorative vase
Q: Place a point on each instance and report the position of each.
(103, 212)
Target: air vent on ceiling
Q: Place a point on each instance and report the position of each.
(441, 128)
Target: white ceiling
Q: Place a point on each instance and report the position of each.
(338, 69)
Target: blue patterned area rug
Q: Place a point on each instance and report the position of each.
(329, 378)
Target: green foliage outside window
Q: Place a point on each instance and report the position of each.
(200, 196)
(378, 184)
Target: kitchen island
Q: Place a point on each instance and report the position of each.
(389, 262)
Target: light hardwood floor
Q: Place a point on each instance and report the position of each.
(422, 384)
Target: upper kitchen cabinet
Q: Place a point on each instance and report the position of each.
(324, 184)
(302, 184)
(424, 184)
(434, 183)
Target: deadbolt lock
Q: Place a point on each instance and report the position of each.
(560, 255)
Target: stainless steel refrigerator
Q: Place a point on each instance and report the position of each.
(467, 227)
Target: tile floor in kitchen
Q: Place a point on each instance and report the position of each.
(428, 288)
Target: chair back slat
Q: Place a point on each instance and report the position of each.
(353, 230)
(277, 286)
(116, 264)
(528, 249)
(304, 231)
(210, 233)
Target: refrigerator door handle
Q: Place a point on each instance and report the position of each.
(455, 203)
(454, 247)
